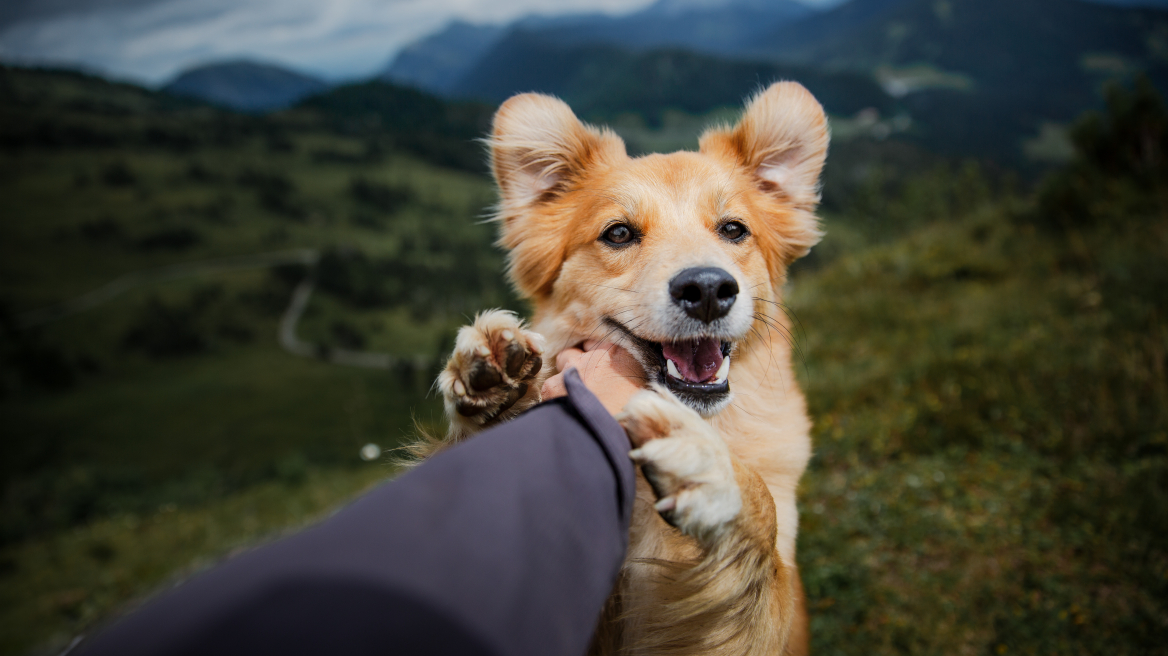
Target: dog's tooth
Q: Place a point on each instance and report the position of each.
(671, 368)
(723, 371)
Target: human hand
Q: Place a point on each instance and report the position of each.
(608, 371)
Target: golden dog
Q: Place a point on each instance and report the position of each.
(680, 259)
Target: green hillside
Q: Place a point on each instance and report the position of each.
(173, 398)
(985, 364)
(991, 407)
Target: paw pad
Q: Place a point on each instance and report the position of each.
(495, 360)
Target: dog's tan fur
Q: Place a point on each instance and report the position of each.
(710, 586)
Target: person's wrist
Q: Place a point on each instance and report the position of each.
(607, 370)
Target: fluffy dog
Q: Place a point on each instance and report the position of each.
(680, 259)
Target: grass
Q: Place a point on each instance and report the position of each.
(991, 431)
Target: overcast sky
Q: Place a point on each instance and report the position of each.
(151, 40)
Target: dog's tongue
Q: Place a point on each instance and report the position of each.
(697, 360)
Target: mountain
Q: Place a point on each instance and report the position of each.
(245, 85)
(603, 82)
(982, 72)
(438, 62)
(707, 26)
(978, 37)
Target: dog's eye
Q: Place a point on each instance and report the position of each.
(617, 235)
(733, 230)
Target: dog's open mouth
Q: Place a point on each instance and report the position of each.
(696, 370)
(703, 362)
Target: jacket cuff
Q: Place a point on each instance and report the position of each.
(609, 433)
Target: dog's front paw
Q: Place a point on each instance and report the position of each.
(492, 373)
(687, 463)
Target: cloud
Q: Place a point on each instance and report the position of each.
(151, 41)
(14, 11)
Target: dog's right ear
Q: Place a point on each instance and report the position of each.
(539, 152)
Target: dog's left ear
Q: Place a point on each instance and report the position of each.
(781, 142)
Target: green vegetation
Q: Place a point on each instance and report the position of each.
(172, 400)
(991, 409)
(1120, 172)
(986, 371)
(991, 435)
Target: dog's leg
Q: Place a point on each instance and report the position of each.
(737, 596)
(493, 374)
(799, 644)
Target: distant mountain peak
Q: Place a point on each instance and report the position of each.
(682, 7)
(440, 62)
(436, 63)
(245, 85)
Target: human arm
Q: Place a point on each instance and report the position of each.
(506, 544)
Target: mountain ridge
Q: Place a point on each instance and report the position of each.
(245, 85)
(437, 62)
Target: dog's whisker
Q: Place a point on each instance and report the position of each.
(788, 336)
(621, 289)
(792, 344)
(786, 310)
(743, 409)
(777, 325)
(771, 361)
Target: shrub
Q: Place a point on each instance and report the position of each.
(163, 330)
(275, 192)
(352, 276)
(105, 229)
(118, 174)
(1120, 167)
(173, 239)
(383, 197)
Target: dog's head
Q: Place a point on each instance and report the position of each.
(677, 257)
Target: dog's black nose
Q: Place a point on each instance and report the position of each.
(705, 293)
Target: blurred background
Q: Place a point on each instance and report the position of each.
(238, 236)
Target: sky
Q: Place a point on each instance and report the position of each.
(149, 41)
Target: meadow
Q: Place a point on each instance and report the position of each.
(984, 359)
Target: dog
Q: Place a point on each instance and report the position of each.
(680, 259)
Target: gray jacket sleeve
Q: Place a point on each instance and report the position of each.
(507, 544)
